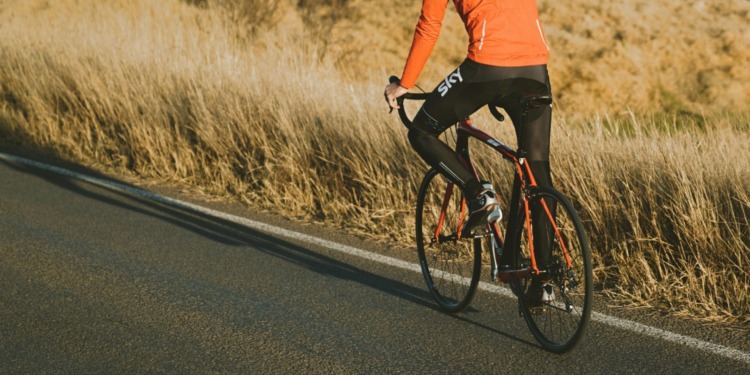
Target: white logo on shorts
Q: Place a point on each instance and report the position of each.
(449, 81)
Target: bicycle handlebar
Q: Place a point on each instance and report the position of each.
(400, 101)
(422, 96)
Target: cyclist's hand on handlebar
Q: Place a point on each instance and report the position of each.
(392, 92)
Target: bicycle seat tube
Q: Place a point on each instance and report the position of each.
(462, 146)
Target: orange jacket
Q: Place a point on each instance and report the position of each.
(501, 33)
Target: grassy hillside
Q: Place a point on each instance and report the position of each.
(279, 105)
(606, 56)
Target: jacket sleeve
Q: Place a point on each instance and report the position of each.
(425, 37)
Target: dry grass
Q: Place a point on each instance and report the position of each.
(272, 116)
(668, 212)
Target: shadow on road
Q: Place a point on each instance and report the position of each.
(230, 233)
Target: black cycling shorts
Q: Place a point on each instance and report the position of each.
(473, 85)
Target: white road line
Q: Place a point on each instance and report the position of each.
(623, 324)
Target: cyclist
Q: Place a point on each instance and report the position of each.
(507, 59)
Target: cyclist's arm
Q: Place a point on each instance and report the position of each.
(425, 37)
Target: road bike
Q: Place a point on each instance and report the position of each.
(451, 265)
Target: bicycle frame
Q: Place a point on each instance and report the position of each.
(555, 300)
(466, 130)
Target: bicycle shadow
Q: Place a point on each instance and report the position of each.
(230, 233)
(498, 332)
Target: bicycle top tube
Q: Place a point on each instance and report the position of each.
(465, 127)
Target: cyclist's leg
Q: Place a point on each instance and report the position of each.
(536, 142)
(540, 167)
(439, 112)
(535, 139)
(426, 142)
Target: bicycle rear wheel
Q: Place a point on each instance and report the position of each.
(450, 266)
(558, 320)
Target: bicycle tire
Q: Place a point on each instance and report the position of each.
(559, 325)
(451, 267)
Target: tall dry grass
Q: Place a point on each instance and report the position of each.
(196, 94)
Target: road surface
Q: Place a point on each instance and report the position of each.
(113, 279)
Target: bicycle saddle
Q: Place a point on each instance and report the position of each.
(536, 101)
(526, 101)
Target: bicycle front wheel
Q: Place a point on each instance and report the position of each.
(450, 266)
(557, 303)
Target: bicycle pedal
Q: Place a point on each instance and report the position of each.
(477, 233)
(481, 234)
(538, 310)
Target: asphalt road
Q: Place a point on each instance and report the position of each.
(94, 280)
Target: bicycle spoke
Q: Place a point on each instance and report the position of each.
(450, 266)
(558, 324)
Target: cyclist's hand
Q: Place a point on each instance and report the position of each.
(392, 92)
